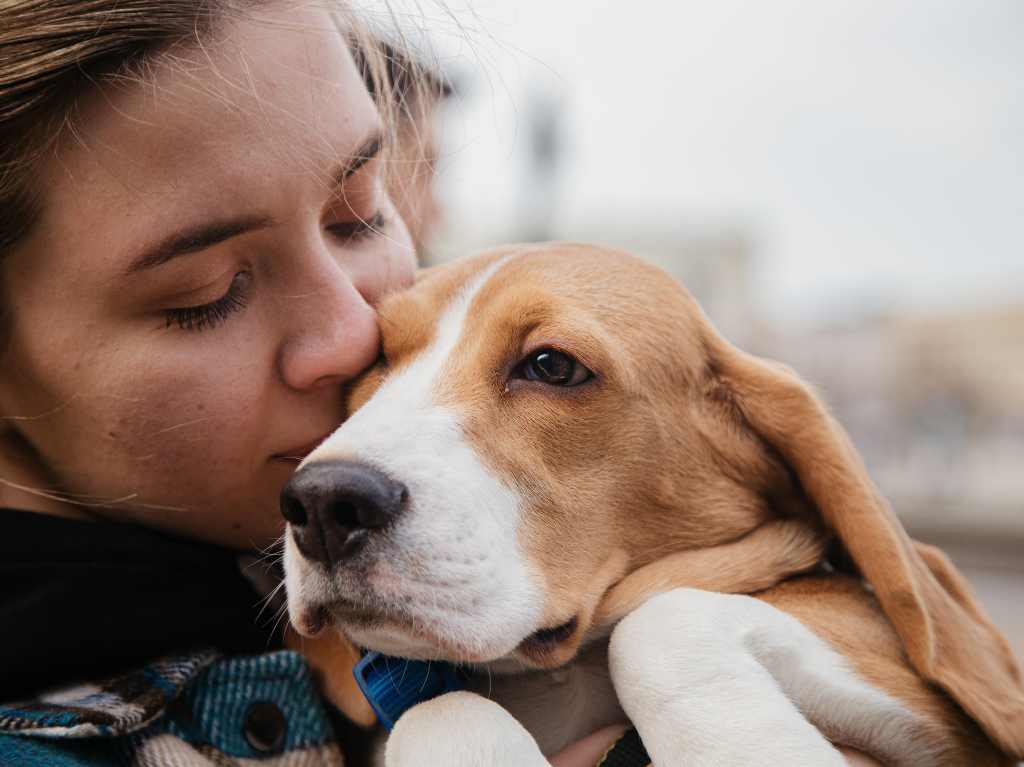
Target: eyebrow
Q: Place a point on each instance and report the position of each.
(367, 151)
(197, 238)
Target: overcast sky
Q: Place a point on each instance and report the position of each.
(872, 148)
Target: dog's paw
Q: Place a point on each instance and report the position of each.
(708, 679)
(461, 729)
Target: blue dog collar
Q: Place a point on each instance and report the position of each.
(394, 685)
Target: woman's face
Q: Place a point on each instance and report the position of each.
(201, 282)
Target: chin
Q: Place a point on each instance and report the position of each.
(429, 642)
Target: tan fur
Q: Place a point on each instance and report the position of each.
(332, 658)
(758, 561)
(943, 629)
(839, 610)
(676, 465)
(596, 460)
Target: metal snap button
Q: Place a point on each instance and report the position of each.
(265, 727)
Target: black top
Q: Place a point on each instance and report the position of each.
(84, 600)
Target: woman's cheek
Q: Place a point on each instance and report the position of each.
(185, 414)
(389, 266)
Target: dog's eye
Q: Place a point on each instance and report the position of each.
(555, 368)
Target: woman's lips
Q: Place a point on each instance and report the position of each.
(298, 454)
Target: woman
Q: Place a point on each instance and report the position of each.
(194, 229)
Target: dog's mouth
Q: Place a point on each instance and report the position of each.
(398, 632)
(551, 646)
(545, 648)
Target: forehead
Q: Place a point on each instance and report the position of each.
(270, 100)
(581, 290)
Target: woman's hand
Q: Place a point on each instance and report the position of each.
(586, 752)
(857, 759)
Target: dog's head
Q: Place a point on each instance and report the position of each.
(545, 421)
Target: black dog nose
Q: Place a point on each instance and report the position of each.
(332, 505)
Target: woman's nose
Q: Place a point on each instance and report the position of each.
(332, 335)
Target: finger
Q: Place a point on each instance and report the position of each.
(587, 752)
(857, 759)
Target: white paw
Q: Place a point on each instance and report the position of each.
(461, 729)
(690, 671)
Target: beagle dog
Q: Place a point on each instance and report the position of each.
(561, 475)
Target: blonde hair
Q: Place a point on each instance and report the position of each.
(53, 53)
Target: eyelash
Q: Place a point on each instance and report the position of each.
(360, 229)
(208, 316)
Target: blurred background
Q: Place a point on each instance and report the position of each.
(840, 183)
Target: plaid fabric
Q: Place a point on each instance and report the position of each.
(202, 709)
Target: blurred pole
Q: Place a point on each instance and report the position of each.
(543, 159)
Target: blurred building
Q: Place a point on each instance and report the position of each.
(935, 403)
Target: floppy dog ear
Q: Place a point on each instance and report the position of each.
(946, 634)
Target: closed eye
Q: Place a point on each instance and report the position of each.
(359, 229)
(208, 316)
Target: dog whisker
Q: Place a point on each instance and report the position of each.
(268, 599)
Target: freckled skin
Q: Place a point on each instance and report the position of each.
(170, 427)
